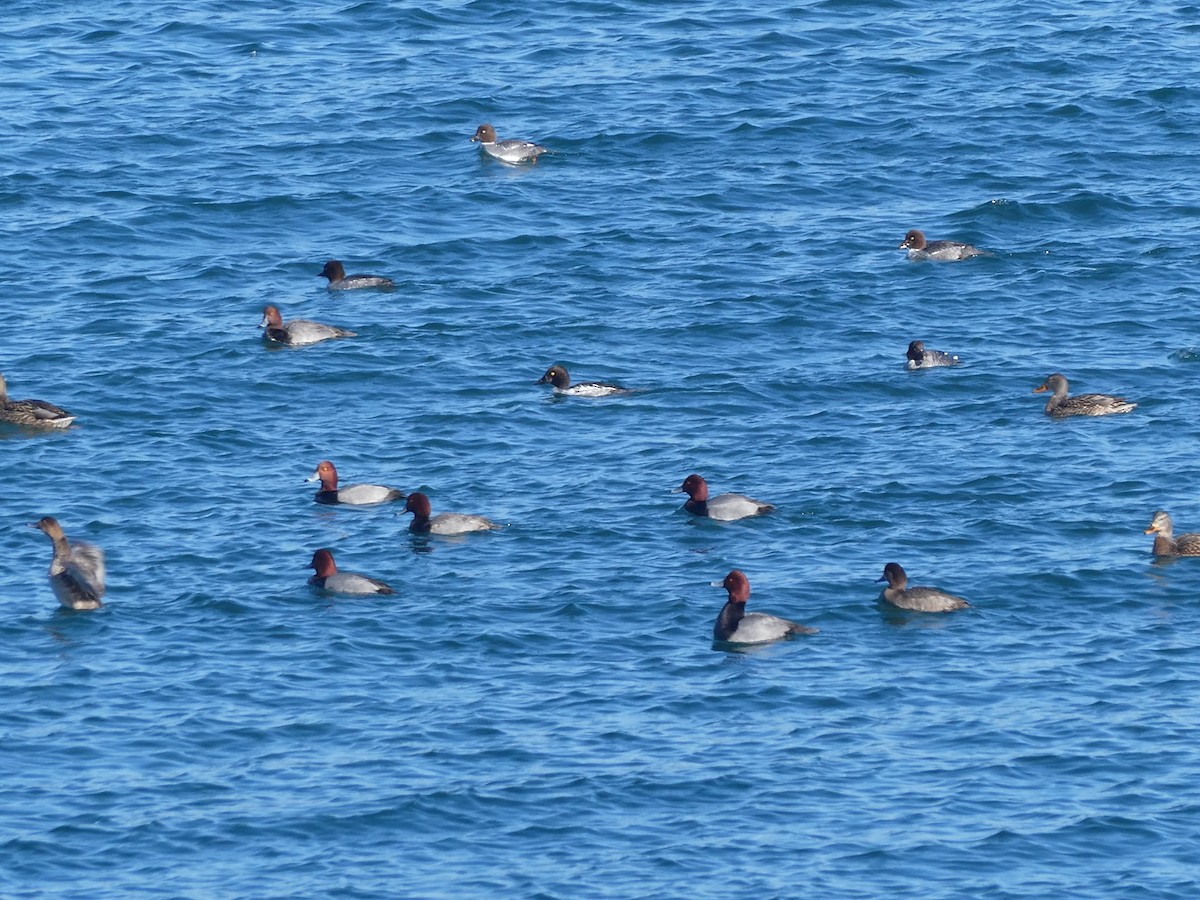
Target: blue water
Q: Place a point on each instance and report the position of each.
(540, 712)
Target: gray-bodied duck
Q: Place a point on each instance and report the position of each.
(77, 569)
(916, 599)
(736, 626)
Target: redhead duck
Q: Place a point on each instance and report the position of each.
(328, 578)
(736, 626)
(919, 248)
(77, 569)
(1060, 405)
(340, 281)
(920, 358)
(31, 413)
(352, 494)
(510, 151)
(916, 599)
(1165, 542)
(724, 507)
(443, 523)
(298, 331)
(557, 377)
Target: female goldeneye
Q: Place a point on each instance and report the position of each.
(1165, 541)
(1060, 405)
(725, 507)
(443, 523)
(31, 413)
(917, 599)
(920, 358)
(340, 281)
(557, 377)
(510, 151)
(77, 569)
(919, 248)
(298, 331)
(352, 494)
(736, 626)
(328, 578)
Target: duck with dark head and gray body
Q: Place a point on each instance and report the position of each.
(1060, 405)
(916, 599)
(920, 358)
(443, 523)
(723, 507)
(1166, 543)
(510, 151)
(943, 251)
(340, 281)
(557, 378)
(31, 413)
(736, 626)
(328, 578)
(351, 494)
(77, 569)
(297, 332)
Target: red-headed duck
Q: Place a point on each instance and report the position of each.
(725, 507)
(510, 151)
(31, 413)
(736, 626)
(328, 578)
(340, 281)
(917, 599)
(920, 358)
(77, 569)
(1165, 542)
(1060, 405)
(297, 331)
(443, 523)
(919, 248)
(352, 494)
(557, 377)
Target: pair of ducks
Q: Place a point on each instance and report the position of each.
(736, 626)
(299, 332)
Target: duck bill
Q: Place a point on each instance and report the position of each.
(1038, 390)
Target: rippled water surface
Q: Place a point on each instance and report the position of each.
(540, 712)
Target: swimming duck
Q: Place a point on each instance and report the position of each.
(920, 358)
(557, 377)
(919, 248)
(917, 599)
(510, 151)
(724, 507)
(31, 413)
(736, 626)
(443, 523)
(1060, 404)
(77, 569)
(1165, 543)
(328, 578)
(340, 281)
(352, 494)
(297, 331)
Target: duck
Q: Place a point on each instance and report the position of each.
(298, 331)
(919, 248)
(352, 494)
(31, 413)
(328, 578)
(510, 151)
(1165, 543)
(77, 569)
(1060, 405)
(340, 281)
(916, 599)
(723, 507)
(736, 626)
(557, 377)
(443, 523)
(920, 358)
